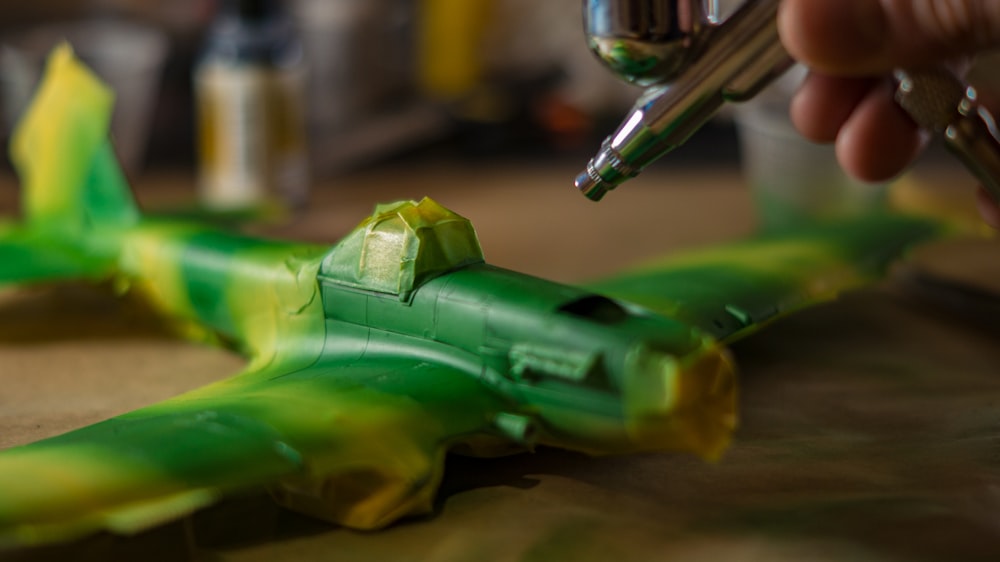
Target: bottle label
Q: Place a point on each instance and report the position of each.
(251, 136)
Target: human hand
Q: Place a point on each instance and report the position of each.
(851, 46)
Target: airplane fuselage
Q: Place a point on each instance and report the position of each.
(588, 371)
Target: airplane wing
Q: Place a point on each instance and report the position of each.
(359, 445)
(730, 291)
(29, 256)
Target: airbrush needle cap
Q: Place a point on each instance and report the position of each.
(592, 187)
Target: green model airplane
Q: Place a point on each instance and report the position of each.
(368, 361)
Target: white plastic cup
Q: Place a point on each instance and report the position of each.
(792, 179)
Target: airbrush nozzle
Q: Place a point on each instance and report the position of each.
(607, 169)
(652, 129)
(591, 185)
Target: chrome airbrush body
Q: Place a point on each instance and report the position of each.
(691, 65)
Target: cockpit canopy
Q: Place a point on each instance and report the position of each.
(401, 246)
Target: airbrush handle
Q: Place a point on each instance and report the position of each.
(940, 102)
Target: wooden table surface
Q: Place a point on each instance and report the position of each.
(870, 427)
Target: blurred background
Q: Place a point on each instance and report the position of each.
(373, 82)
(385, 78)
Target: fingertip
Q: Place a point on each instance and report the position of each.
(878, 140)
(824, 103)
(988, 208)
(839, 37)
(790, 29)
(808, 113)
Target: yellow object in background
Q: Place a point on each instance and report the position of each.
(450, 46)
(249, 86)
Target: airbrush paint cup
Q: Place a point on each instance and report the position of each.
(792, 179)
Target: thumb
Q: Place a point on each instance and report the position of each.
(865, 37)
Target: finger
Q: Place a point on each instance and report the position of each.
(823, 104)
(988, 208)
(878, 140)
(830, 35)
(868, 37)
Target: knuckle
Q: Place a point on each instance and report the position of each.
(968, 24)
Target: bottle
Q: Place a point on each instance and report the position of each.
(249, 90)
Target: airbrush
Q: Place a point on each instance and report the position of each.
(692, 64)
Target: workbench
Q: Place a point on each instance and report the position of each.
(869, 426)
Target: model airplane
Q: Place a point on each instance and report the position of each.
(369, 360)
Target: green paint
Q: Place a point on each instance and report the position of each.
(730, 291)
(369, 360)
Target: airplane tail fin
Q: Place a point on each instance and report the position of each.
(71, 178)
(72, 184)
